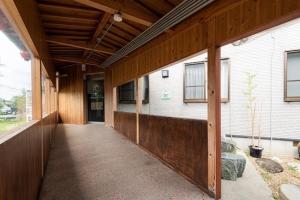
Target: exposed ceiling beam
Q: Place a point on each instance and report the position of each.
(80, 45)
(74, 60)
(101, 24)
(105, 18)
(130, 10)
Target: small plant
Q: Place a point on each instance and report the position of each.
(255, 150)
(251, 101)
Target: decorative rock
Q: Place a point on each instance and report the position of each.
(233, 166)
(289, 192)
(228, 147)
(269, 165)
(295, 166)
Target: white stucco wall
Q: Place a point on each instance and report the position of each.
(262, 54)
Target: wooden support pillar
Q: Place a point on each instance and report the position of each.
(138, 107)
(114, 105)
(214, 113)
(36, 89)
(108, 91)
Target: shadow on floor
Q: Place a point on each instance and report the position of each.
(95, 162)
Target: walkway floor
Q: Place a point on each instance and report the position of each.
(94, 162)
(250, 186)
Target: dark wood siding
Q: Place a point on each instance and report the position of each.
(181, 143)
(125, 123)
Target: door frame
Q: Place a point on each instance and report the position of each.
(85, 100)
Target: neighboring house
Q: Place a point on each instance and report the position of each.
(5, 110)
(273, 56)
(28, 105)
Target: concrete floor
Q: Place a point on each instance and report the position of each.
(250, 186)
(94, 162)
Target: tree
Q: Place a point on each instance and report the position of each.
(19, 103)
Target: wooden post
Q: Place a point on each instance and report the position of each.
(114, 106)
(36, 89)
(214, 113)
(138, 108)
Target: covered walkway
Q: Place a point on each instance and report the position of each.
(95, 162)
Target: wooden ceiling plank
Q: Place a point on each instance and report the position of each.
(79, 45)
(66, 19)
(73, 60)
(47, 7)
(129, 10)
(130, 29)
(67, 26)
(68, 32)
(71, 37)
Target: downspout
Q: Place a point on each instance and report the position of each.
(271, 91)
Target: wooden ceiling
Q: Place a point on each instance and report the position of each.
(73, 26)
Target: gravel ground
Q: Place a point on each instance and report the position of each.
(289, 175)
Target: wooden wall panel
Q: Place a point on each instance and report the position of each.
(125, 123)
(235, 19)
(21, 163)
(182, 143)
(108, 95)
(49, 124)
(72, 95)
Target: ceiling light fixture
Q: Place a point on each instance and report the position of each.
(118, 17)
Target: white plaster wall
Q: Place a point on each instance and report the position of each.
(263, 55)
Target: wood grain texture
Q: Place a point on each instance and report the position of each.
(108, 95)
(125, 123)
(235, 19)
(181, 143)
(72, 108)
(21, 163)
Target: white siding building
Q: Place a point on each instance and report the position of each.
(262, 55)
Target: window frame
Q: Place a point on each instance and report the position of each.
(133, 101)
(145, 91)
(205, 100)
(286, 98)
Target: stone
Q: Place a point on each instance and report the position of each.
(228, 147)
(294, 166)
(269, 165)
(233, 166)
(289, 192)
(276, 159)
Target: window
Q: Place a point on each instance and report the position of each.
(126, 92)
(15, 86)
(195, 81)
(292, 76)
(146, 89)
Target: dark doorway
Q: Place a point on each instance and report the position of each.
(95, 99)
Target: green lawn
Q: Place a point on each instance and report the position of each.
(10, 124)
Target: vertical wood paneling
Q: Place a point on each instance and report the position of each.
(234, 19)
(125, 123)
(21, 163)
(72, 95)
(181, 143)
(108, 95)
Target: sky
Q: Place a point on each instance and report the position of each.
(15, 72)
